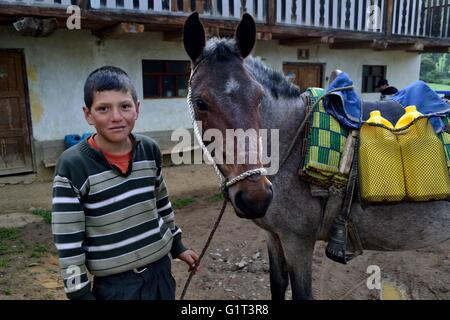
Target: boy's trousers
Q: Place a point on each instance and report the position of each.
(151, 282)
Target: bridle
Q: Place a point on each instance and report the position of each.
(224, 183)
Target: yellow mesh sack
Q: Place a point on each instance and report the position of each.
(380, 165)
(407, 163)
(424, 162)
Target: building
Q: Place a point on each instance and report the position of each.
(46, 54)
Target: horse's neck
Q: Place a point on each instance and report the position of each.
(284, 114)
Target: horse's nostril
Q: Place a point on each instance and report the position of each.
(251, 206)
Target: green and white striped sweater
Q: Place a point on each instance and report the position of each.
(106, 222)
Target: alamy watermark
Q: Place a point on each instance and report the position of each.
(234, 147)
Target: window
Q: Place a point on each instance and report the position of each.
(370, 77)
(165, 79)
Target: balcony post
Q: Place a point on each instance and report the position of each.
(271, 15)
(389, 16)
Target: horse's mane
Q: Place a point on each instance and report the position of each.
(273, 80)
(224, 49)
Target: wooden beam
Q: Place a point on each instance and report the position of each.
(358, 44)
(173, 35)
(436, 49)
(298, 41)
(119, 30)
(264, 36)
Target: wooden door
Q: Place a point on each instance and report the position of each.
(15, 146)
(304, 75)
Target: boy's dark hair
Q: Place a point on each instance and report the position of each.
(107, 78)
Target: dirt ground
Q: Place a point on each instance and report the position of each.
(235, 265)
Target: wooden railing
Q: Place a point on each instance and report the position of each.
(351, 15)
(413, 18)
(422, 18)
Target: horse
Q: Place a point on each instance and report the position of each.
(230, 89)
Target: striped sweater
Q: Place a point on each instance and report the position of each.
(106, 222)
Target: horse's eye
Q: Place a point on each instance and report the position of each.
(201, 105)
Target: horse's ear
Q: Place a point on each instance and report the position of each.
(246, 35)
(194, 36)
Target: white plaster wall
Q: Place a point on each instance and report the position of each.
(402, 67)
(58, 65)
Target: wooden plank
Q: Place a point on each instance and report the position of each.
(271, 16)
(119, 30)
(299, 21)
(317, 13)
(326, 7)
(157, 5)
(111, 4)
(237, 8)
(260, 12)
(279, 20)
(288, 18)
(174, 6)
(128, 4)
(389, 17)
(187, 6)
(308, 13)
(143, 5)
(250, 7)
(383, 2)
(352, 15)
(225, 8)
(413, 17)
(335, 14)
(95, 4)
(200, 6)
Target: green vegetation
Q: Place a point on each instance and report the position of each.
(10, 241)
(217, 197)
(39, 251)
(10, 234)
(46, 215)
(7, 291)
(4, 263)
(180, 203)
(435, 68)
(438, 86)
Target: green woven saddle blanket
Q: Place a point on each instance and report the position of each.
(323, 143)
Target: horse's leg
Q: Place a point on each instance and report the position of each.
(299, 254)
(279, 277)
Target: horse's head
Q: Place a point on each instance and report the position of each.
(225, 96)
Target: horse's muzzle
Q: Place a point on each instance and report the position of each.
(251, 198)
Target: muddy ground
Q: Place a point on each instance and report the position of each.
(236, 264)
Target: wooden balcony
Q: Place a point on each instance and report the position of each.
(413, 25)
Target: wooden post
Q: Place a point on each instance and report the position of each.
(389, 17)
(200, 6)
(187, 6)
(174, 5)
(271, 14)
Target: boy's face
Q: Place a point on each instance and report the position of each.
(113, 114)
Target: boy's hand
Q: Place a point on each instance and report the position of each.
(190, 257)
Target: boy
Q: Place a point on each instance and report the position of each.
(111, 211)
